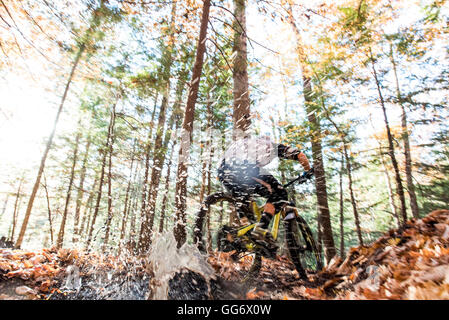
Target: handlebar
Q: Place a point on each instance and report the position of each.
(306, 175)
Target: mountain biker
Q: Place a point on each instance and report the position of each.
(242, 173)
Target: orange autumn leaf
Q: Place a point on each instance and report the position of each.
(27, 264)
(253, 294)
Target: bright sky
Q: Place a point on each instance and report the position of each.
(26, 119)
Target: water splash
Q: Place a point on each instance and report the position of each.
(167, 260)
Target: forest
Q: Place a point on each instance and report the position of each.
(115, 116)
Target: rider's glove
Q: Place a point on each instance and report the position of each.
(309, 174)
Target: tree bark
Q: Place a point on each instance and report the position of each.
(187, 130)
(241, 112)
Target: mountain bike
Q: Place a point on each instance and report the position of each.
(224, 224)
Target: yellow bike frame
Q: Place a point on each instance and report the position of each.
(258, 213)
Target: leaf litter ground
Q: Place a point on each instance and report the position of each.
(411, 262)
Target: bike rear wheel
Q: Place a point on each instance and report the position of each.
(302, 247)
(215, 232)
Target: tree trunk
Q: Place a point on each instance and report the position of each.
(16, 209)
(126, 207)
(323, 207)
(207, 154)
(209, 191)
(50, 222)
(391, 151)
(132, 224)
(391, 195)
(160, 143)
(394, 208)
(88, 209)
(101, 181)
(203, 169)
(187, 130)
(47, 149)
(351, 193)
(342, 217)
(405, 138)
(153, 186)
(80, 194)
(147, 166)
(110, 152)
(60, 240)
(167, 183)
(349, 172)
(241, 112)
(317, 153)
(165, 197)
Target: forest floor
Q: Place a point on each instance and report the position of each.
(411, 262)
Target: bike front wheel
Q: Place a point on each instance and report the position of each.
(302, 247)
